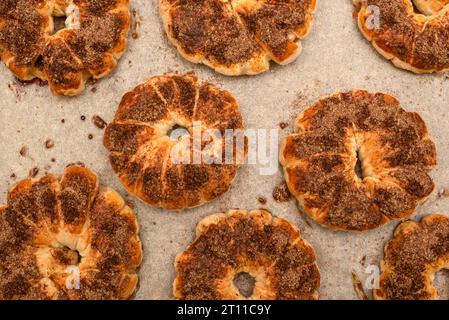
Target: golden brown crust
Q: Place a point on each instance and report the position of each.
(90, 45)
(392, 145)
(240, 36)
(142, 153)
(51, 225)
(411, 40)
(268, 248)
(412, 257)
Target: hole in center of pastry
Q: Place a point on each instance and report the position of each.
(358, 167)
(177, 131)
(59, 23)
(71, 257)
(441, 283)
(245, 283)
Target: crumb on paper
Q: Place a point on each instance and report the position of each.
(99, 122)
(23, 151)
(299, 100)
(33, 172)
(49, 143)
(443, 193)
(281, 193)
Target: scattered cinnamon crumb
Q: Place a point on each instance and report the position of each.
(12, 176)
(33, 172)
(53, 159)
(283, 125)
(62, 120)
(24, 151)
(358, 287)
(298, 102)
(93, 90)
(83, 117)
(262, 200)
(49, 143)
(99, 122)
(90, 136)
(130, 204)
(281, 193)
(443, 193)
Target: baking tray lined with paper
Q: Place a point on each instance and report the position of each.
(43, 133)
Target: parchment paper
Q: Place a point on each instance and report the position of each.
(335, 58)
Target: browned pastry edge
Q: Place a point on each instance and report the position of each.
(237, 37)
(416, 252)
(412, 41)
(394, 150)
(52, 230)
(430, 7)
(88, 48)
(142, 152)
(270, 249)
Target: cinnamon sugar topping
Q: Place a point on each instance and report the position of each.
(395, 152)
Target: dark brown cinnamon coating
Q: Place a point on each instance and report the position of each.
(52, 224)
(415, 254)
(253, 241)
(393, 148)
